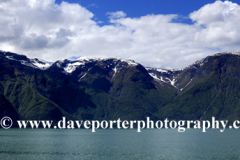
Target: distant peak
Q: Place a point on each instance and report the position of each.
(202, 61)
(224, 53)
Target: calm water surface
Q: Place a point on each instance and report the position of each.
(118, 144)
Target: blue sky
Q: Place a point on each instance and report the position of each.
(138, 8)
(162, 34)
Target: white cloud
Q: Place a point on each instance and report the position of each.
(117, 14)
(50, 31)
(93, 5)
(215, 13)
(222, 24)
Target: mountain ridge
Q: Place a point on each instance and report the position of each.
(107, 88)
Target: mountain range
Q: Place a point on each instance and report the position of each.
(112, 88)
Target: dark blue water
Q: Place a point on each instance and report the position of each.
(118, 144)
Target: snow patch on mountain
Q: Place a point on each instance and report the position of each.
(200, 62)
(70, 67)
(165, 75)
(128, 61)
(115, 71)
(155, 77)
(41, 64)
(26, 63)
(225, 53)
(34, 63)
(82, 77)
(172, 81)
(10, 57)
(162, 70)
(186, 85)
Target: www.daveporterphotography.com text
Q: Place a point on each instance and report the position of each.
(180, 125)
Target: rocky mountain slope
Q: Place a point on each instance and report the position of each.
(118, 88)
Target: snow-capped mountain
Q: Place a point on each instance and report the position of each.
(110, 88)
(182, 78)
(35, 63)
(70, 66)
(169, 76)
(82, 66)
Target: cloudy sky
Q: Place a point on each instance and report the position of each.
(170, 34)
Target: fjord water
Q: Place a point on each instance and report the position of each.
(118, 144)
